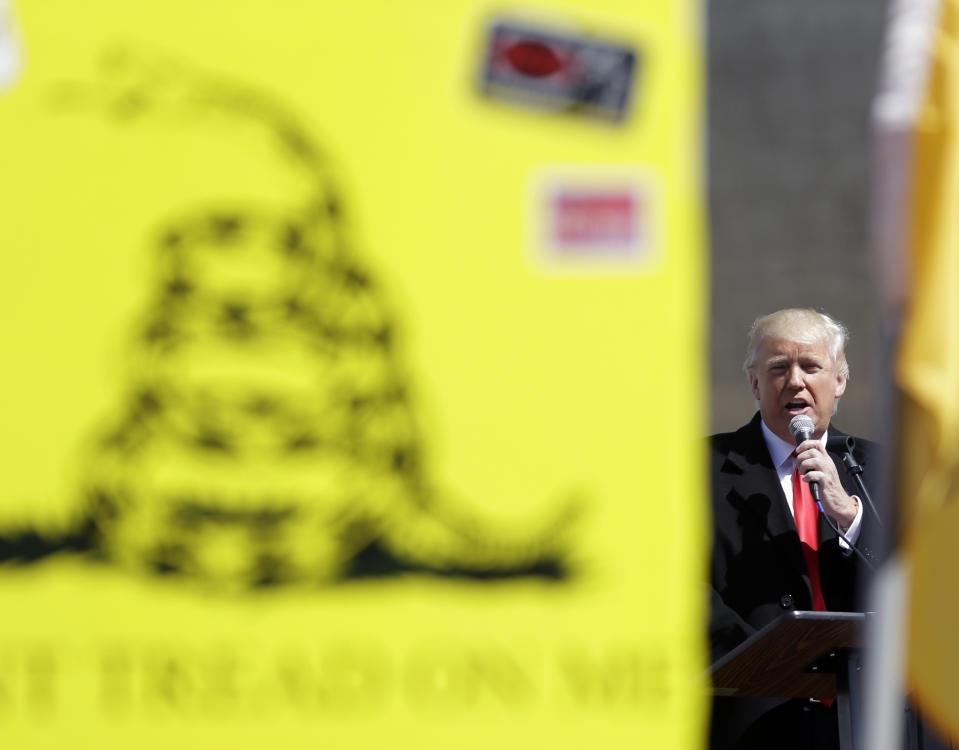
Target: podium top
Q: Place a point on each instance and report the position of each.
(795, 656)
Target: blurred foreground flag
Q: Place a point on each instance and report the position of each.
(352, 375)
(920, 116)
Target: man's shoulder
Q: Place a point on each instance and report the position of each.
(738, 452)
(737, 440)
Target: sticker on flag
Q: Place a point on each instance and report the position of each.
(593, 217)
(559, 71)
(584, 219)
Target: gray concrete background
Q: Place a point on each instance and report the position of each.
(790, 89)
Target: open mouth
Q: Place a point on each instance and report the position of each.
(797, 406)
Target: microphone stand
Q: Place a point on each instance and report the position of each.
(845, 446)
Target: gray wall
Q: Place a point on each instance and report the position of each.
(790, 88)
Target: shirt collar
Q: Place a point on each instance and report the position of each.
(779, 449)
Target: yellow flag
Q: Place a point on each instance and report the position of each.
(928, 376)
(352, 357)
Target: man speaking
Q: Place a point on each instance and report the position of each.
(772, 549)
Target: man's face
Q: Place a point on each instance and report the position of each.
(791, 378)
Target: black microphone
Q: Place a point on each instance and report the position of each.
(841, 444)
(802, 428)
(844, 445)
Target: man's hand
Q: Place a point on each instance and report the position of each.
(816, 466)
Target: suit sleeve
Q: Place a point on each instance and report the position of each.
(726, 628)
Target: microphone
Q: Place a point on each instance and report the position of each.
(841, 444)
(802, 428)
(844, 445)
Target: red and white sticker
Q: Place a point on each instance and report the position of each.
(596, 217)
(581, 219)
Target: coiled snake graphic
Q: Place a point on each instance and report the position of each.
(267, 434)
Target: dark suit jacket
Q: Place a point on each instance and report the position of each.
(758, 569)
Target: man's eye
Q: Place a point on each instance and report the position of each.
(812, 368)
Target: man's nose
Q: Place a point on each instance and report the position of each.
(796, 377)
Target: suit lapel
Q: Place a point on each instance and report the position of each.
(757, 482)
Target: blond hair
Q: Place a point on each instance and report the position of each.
(804, 326)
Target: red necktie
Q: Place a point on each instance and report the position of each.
(807, 524)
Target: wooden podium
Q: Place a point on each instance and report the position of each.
(800, 655)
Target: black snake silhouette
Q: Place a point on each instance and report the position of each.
(267, 434)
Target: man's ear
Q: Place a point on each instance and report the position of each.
(754, 382)
(840, 385)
